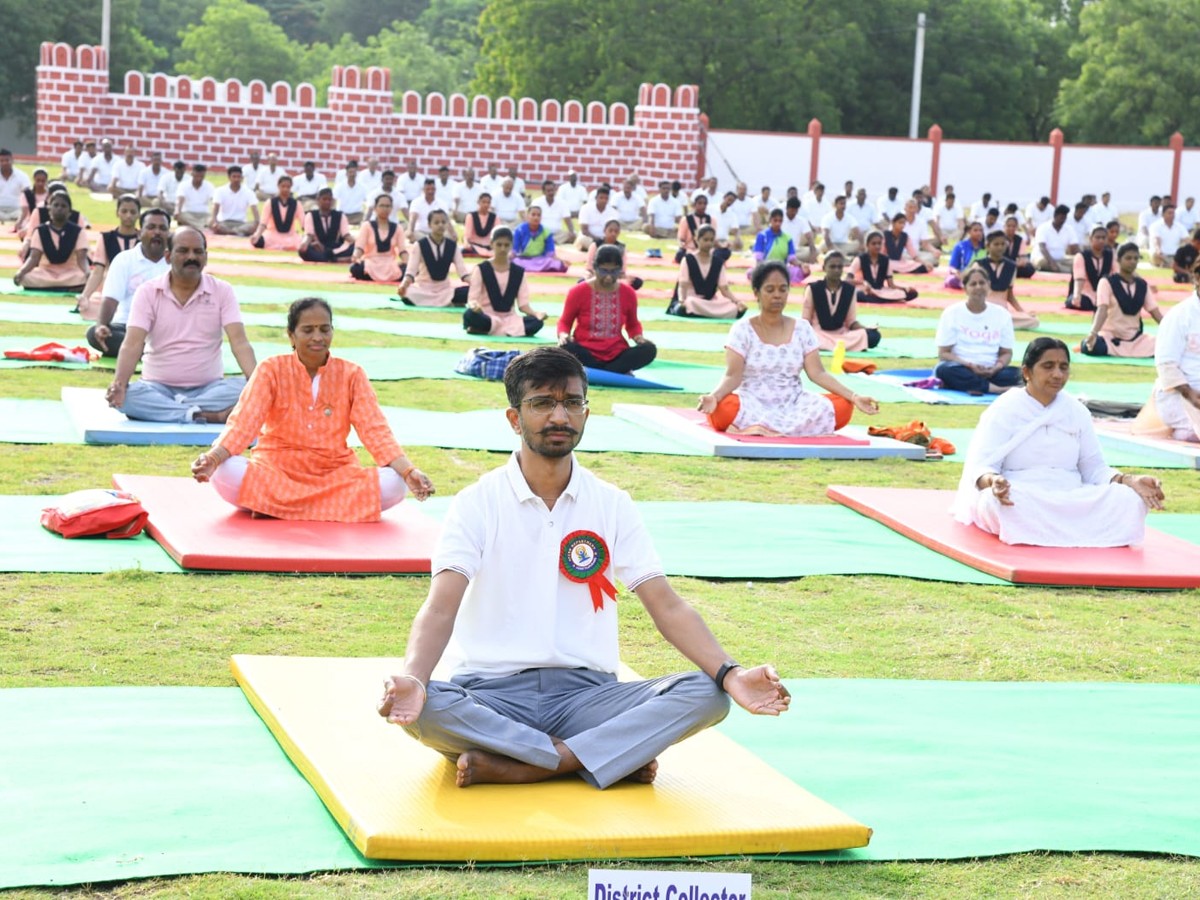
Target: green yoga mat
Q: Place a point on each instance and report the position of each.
(35, 422)
(143, 782)
(25, 546)
(954, 770)
(1077, 328)
(924, 348)
(1181, 525)
(1116, 454)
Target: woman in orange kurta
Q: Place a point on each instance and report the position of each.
(300, 408)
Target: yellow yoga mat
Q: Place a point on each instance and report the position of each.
(396, 799)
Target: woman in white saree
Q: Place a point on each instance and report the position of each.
(1035, 474)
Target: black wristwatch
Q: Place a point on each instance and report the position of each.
(723, 672)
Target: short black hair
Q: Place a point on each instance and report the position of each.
(539, 368)
(299, 306)
(608, 253)
(154, 211)
(759, 276)
(1039, 347)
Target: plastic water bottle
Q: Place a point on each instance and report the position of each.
(839, 358)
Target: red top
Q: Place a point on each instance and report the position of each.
(598, 319)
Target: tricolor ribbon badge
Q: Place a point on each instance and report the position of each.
(583, 558)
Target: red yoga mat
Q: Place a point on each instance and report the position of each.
(1164, 561)
(201, 531)
(822, 440)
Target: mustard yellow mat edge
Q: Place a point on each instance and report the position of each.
(397, 800)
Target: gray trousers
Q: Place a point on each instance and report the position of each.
(613, 728)
(154, 402)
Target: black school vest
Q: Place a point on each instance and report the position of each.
(330, 237)
(480, 229)
(383, 244)
(705, 286)
(115, 242)
(285, 223)
(1002, 280)
(60, 254)
(831, 316)
(895, 246)
(1014, 247)
(1131, 304)
(878, 281)
(694, 222)
(1094, 275)
(501, 302)
(438, 269)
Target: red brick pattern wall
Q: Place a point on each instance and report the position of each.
(218, 123)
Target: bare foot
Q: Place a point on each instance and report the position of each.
(481, 767)
(214, 417)
(644, 775)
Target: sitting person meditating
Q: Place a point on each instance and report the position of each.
(872, 271)
(533, 245)
(427, 281)
(901, 249)
(179, 318)
(975, 341)
(1015, 249)
(688, 231)
(124, 236)
(1002, 272)
(831, 310)
(773, 244)
(611, 236)
(282, 225)
(1035, 474)
(129, 270)
(703, 286)
(1092, 264)
(522, 612)
(478, 228)
(1121, 299)
(596, 313)
(58, 251)
(761, 392)
(498, 295)
(380, 253)
(299, 408)
(1176, 396)
(326, 232)
(965, 252)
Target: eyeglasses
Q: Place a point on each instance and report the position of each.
(575, 406)
(608, 271)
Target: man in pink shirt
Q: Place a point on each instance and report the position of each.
(178, 319)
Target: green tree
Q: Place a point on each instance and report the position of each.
(300, 19)
(362, 19)
(1135, 82)
(24, 32)
(236, 39)
(163, 20)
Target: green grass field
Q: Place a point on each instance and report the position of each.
(135, 628)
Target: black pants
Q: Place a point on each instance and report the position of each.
(873, 337)
(1100, 348)
(325, 255)
(114, 340)
(958, 377)
(475, 322)
(636, 357)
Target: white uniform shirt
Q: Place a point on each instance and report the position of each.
(444, 194)
(553, 214)
(372, 181)
(815, 210)
(1171, 236)
(744, 209)
(593, 220)
(233, 204)
(493, 184)
(887, 208)
(839, 229)
(863, 216)
(127, 175)
(268, 180)
(519, 610)
(71, 162)
(1186, 217)
(397, 201)
(151, 181)
(508, 208)
(1177, 345)
(976, 337)
(948, 216)
(127, 272)
(304, 186)
(627, 208)
(103, 168)
(796, 228)
(664, 213)
(724, 223)
(573, 196)
(466, 197)
(350, 198)
(196, 199)
(1056, 241)
(418, 213)
(1146, 218)
(412, 187)
(12, 187)
(168, 189)
(1100, 214)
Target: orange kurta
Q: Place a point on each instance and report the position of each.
(302, 467)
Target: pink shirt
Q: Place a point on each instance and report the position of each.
(183, 341)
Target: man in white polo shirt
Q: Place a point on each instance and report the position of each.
(466, 195)
(266, 183)
(127, 272)
(70, 163)
(194, 199)
(594, 215)
(629, 209)
(351, 194)
(840, 230)
(150, 184)
(231, 202)
(178, 319)
(13, 183)
(411, 183)
(98, 175)
(127, 175)
(308, 184)
(1053, 247)
(572, 193)
(1166, 236)
(555, 215)
(523, 613)
(663, 213)
(950, 221)
(508, 205)
(419, 210)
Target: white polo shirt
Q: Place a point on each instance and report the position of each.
(466, 197)
(444, 194)
(268, 180)
(350, 198)
(103, 168)
(418, 213)
(796, 228)
(572, 195)
(127, 272)
(12, 187)
(70, 162)
(553, 214)
(744, 209)
(839, 229)
(412, 187)
(1056, 241)
(195, 199)
(168, 189)
(233, 204)
(1036, 216)
(593, 220)
(303, 186)
(664, 213)
(127, 175)
(863, 216)
(628, 209)
(948, 216)
(151, 180)
(520, 611)
(508, 208)
(1171, 236)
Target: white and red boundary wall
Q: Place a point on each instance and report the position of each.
(219, 122)
(1011, 172)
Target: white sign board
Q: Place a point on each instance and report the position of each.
(618, 884)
